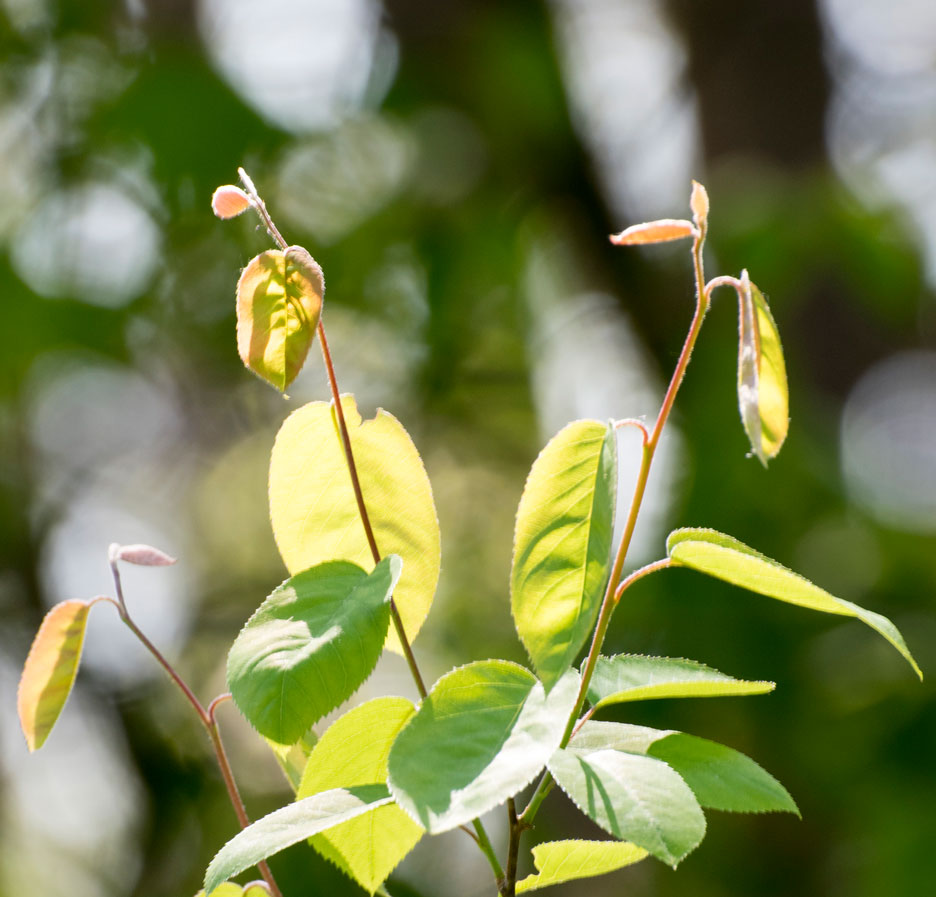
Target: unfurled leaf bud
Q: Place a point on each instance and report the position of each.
(698, 202)
(142, 555)
(229, 201)
(661, 231)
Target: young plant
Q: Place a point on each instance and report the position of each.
(354, 519)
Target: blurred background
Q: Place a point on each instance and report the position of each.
(456, 168)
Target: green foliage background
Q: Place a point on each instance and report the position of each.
(465, 166)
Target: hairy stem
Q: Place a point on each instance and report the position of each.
(206, 717)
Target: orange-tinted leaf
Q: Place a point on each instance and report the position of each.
(699, 203)
(279, 302)
(661, 231)
(50, 669)
(229, 201)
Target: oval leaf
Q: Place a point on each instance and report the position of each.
(50, 670)
(353, 752)
(289, 825)
(763, 396)
(314, 511)
(279, 302)
(634, 677)
(562, 545)
(721, 778)
(635, 798)
(728, 559)
(310, 645)
(559, 861)
(480, 736)
(142, 555)
(662, 231)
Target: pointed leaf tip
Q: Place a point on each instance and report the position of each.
(699, 203)
(229, 201)
(662, 231)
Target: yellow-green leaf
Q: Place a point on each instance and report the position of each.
(559, 861)
(728, 559)
(763, 397)
(353, 752)
(315, 514)
(562, 545)
(50, 669)
(279, 302)
(292, 758)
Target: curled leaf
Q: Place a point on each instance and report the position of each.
(50, 670)
(661, 231)
(699, 204)
(279, 303)
(229, 201)
(142, 555)
(763, 397)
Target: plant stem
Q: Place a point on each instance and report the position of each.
(513, 848)
(612, 593)
(205, 716)
(484, 842)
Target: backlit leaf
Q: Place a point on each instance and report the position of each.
(562, 545)
(634, 677)
(315, 515)
(635, 798)
(292, 758)
(662, 231)
(559, 861)
(728, 559)
(50, 670)
(279, 302)
(763, 396)
(482, 734)
(289, 825)
(353, 752)
(310, 645)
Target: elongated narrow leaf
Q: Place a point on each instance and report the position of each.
(763, 396)
(482, 734)
(635, 798)
(279, 302)
(720, 777)
(50, 670)
(310, 645)
(292, 758)
(662, 231)
(289, 825)
(562, 545)
(728, 559)
(315, 514)
(634, 677)
(353, 752)
(559, 861)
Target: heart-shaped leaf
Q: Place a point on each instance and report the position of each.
(353, 752)
(763, 396)
(279, 302)
(562, 545)
(289, 825)
(728, 559)
(634, 677)
(635, 798)
(50, 670)
(315, 514)
(480, 736)
(310, 645)
(559, 861)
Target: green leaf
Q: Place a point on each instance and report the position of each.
(720, 777)
(634, 677)
(279, 302)
(232, 889)
(50, 670)
(562, 545)
(559, 861)
(728, 559)
(480, 736)
(310, 645)
(763, 397)
(289, 825)
(353, 752)
(292, 758)
(635, 798)
(315, 514)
